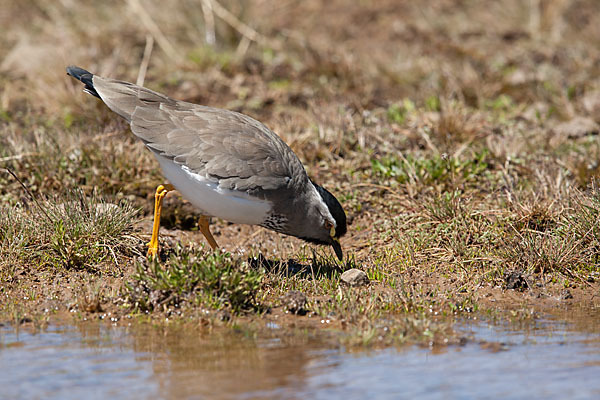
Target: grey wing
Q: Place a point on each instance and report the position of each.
(231, 148)
(234, 149)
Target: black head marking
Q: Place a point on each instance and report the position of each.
(336, 210)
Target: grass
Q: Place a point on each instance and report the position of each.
(428, 171)
(73, 231)
(213, 280)
(433, 124)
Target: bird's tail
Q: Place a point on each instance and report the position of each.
(85, 77)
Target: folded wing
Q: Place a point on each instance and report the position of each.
(228, 147)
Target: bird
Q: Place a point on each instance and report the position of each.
(226, 164)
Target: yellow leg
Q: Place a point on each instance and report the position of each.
(205, 229)
(161, 192)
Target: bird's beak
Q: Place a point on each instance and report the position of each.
(335, 243)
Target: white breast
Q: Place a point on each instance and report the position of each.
(210, 199)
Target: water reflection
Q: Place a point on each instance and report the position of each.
(550, 358)
(149, 361)
(192, 364)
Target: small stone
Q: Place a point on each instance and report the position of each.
(355, 277)
(294, 302)
(515, 281)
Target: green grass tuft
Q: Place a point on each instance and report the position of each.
(71, 231)
(214, 280)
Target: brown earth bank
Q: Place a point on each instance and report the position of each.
(460, 137)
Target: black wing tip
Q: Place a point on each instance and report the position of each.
(77, 72)
(84, 76)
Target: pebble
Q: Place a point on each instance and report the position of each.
(355, 277)
(515, 281)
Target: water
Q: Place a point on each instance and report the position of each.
(547, 358)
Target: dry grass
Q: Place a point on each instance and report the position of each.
(443, 129)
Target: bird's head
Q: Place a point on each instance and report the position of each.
(331, 221)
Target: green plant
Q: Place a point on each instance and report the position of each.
(216, 280)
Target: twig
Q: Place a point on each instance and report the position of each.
(209, 22)
(17, 157)
(252, 236)
(114, 255)
(154, 30)
(428, 141)
(145, 60)
(29, 193)
(238, 25)
(242, 48)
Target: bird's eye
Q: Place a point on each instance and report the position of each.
(330, 227)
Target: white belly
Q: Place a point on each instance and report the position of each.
(210, 199)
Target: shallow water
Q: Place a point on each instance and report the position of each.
(548, 358)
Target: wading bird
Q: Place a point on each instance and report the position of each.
(226, 164)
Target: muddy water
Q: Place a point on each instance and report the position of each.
(546, 358)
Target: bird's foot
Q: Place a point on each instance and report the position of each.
(152, 250)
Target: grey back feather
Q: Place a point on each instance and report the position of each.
(231, 148)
